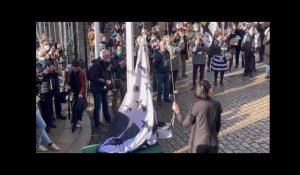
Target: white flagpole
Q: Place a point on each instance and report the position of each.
(97, 39)
(129, 55)
(97, 54)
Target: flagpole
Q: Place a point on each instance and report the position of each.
(97, 40)
(129, 55)
(97, 54)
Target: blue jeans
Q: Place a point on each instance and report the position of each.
(267, 70)
(100, 97)
(41, 133)
(162, 85)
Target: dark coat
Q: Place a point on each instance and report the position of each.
(99, 75)
(205, 118)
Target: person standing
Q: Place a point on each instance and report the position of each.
(198, 59)
(205, 118)
(161, 64)
(98, 85)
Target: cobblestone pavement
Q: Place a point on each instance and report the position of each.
(245, 119)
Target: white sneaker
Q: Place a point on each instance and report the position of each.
(176, 92)
(41, 148)
(79, 123)
(54, 147)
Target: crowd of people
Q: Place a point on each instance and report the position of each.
(47, 87)
(168, 55)
(49, 75)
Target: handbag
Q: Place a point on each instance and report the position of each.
(228, 56)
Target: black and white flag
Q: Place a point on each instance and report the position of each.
(135, 124)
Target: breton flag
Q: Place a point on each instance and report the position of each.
(135, 124)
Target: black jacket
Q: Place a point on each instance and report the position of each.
(114, 68)
(74, 82)
(99, 75)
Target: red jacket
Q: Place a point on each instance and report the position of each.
(82, 79)
(82, 83)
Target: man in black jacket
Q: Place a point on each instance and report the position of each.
(98, 86)
(117, 72)
(250, 45)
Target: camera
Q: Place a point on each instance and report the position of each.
(115, 84)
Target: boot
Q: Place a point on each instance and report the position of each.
(222, 76)
(216, 77)
(230, 65)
